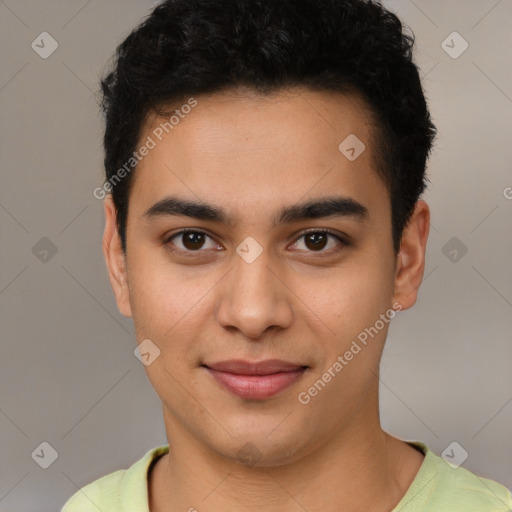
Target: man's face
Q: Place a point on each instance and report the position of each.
(211, 295)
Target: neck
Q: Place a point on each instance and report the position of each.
(358, 468)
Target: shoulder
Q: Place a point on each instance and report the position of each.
(443, 486)
(110, 492)
(103, 494)
(460, 487)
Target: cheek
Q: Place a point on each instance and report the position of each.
(165, 310)
(349, 355)
(166, 299)
(351, 300)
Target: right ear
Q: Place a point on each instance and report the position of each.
(115, 259)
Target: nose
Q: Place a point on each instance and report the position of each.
(255, 297)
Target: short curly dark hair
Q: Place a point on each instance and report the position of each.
(186, 48)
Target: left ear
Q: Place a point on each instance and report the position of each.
(410, 263)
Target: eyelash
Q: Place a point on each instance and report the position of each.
(343, 240)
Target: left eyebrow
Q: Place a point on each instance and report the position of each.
(336, 206)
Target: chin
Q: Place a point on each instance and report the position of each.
(261, 450)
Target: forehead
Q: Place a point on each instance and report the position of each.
(246, 150)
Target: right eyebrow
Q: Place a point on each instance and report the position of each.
(170, 206)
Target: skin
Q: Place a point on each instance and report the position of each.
(253, 155)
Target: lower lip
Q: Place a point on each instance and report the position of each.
(256, 387)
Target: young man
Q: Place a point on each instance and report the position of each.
(264, 165)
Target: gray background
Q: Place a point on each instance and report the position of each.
(68, 374)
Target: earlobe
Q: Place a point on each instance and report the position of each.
(115, 259)
(411, 257)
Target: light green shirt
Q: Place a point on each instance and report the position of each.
(437, 487)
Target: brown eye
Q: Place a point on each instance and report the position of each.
(318, 240)
(191, 240)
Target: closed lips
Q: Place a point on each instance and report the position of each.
(258, 380)
(267, 367)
